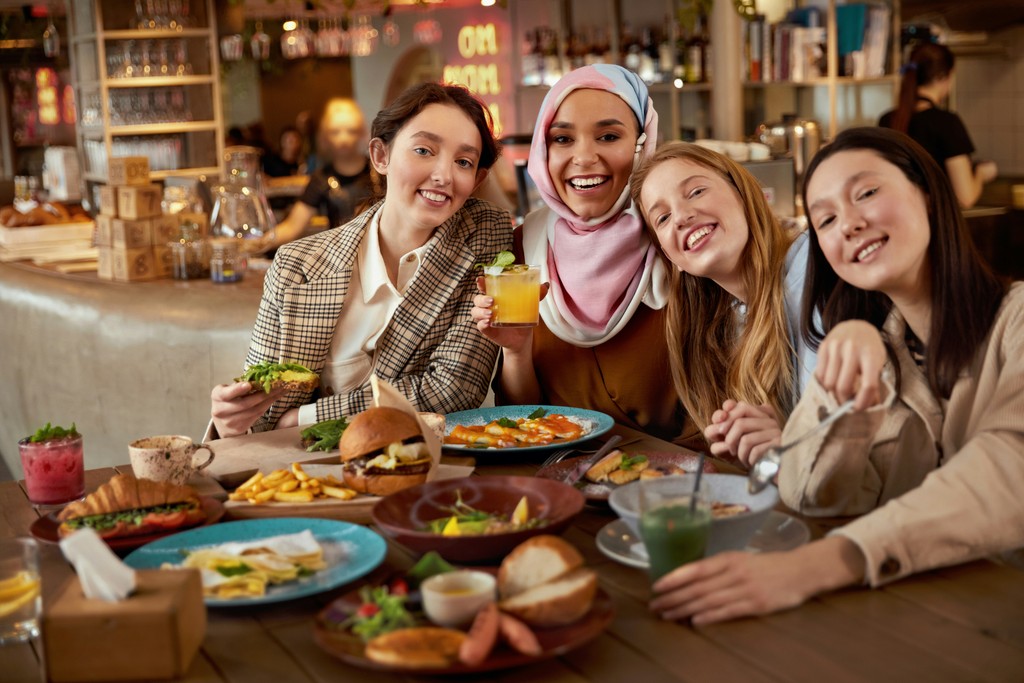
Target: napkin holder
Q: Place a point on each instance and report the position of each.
(154, 634)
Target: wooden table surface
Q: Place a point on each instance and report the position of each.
(958, 624)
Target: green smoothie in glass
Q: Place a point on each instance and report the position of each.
(674, 535)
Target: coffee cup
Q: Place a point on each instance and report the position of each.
(167, 458)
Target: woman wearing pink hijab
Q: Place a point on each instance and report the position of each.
(600, 343)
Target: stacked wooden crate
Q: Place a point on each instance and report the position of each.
(131, 232)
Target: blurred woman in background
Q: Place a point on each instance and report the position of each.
(927, 80)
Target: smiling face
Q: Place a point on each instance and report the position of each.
(432, 166)
(871, 222)
(591, 143)
(699, 220)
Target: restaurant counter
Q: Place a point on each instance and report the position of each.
(120, 360)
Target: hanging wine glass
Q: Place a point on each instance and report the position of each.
(259, 44)
(51, 39)
(389, 33)
(364, 43)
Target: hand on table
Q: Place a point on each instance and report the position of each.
(850, 363)
(511, 338)
(744, 431)
(741, 584)
(234, 409)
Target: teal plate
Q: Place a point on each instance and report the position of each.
(350, 551)
(598, 424)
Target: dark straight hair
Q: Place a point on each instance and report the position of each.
(965, 295)
(928, 62)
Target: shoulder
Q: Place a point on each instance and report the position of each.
(325, 253)
(536, 220)
(482, 227)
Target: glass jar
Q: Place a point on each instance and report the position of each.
(189, 257)
(240, 207)
(227, 260)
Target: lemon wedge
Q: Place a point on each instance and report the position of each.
(16, 585)
(522, 512)
(451, 527)
(17, 595)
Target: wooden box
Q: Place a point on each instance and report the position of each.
(104, 235)
(165, 229)
(131, 234)
(108, 200)
(128, 171)
(162, 261)
(200, 219)
(105, 262)
(139, 201)
(134, 265)
(154, 634)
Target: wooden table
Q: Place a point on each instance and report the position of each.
(959, 624)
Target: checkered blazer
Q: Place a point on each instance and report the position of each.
(431, 351)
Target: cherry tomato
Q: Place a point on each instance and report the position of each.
(399, 587)
(367, 609)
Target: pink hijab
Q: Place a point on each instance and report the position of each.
(596, 266)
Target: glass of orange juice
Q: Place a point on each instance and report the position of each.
(516, 293)
(20, 601)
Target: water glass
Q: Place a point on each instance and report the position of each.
(21, 600)
(675, 521)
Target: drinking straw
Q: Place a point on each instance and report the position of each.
(696, 483)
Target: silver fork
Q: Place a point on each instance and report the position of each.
(558, 456)
(765, 469)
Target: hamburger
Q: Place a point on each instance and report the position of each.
(126, 506)
(269, 376)
(383, 451)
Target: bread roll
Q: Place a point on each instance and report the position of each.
(534, 562)
(423, 647)
(555, 603)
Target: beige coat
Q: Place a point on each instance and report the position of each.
(943, 481)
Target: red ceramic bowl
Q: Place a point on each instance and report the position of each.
(401, 515)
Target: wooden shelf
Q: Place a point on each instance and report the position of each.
(159, 81)
(163, 128)
(155, 34)
(212, 170)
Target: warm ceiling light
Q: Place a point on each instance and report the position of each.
(290, 25)
(487, 3)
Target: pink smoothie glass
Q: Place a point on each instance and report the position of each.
(54, 470)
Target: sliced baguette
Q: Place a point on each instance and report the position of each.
(534, 562)
(557, 602)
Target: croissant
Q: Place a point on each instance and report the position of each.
(125, 492)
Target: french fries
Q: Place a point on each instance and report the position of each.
(293, 485)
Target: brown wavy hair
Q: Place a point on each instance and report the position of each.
(965, 295)
(928, 62)
(714, 356)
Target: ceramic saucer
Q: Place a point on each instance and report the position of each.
(780, 532)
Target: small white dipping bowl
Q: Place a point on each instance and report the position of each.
(727, 533)
(453, 599)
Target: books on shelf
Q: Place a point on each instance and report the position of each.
(795, 49)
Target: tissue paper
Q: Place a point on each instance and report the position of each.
(102, 574)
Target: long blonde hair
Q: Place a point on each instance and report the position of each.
(710, 357)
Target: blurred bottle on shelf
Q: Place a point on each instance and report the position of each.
(552, 60)
(696, 53)
(532, 59)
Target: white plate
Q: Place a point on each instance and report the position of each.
(780, 532)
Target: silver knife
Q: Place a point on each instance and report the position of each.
(579, 469)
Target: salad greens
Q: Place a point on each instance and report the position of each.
(50, 433)
(466, 520)
(324, 435)
(430, 564)
(264, 374)
(382, 611)
(629, 462)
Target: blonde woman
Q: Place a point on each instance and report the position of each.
(732, 323)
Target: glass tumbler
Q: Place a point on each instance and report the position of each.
(21, 600)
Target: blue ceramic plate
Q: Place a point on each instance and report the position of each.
(351, 551)
(594, 424)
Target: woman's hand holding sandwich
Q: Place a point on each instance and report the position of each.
(235, 407)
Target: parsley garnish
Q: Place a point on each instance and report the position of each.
(507, 423)
(236, 570)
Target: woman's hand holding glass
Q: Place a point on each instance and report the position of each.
(850, 363)
(512, 339)
(744, 431)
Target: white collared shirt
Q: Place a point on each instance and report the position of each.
(369, 305)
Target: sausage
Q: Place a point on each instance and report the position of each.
(519, 636)
(481, 637)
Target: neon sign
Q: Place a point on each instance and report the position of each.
(478, 42)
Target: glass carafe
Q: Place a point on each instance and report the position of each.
(240, 207)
